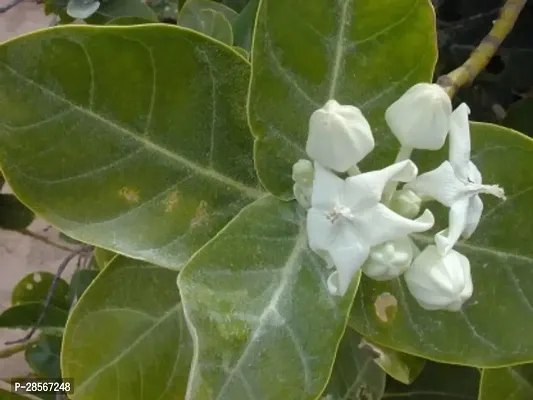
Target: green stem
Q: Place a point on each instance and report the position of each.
(44, 239)
(481, 56)
(17, 348)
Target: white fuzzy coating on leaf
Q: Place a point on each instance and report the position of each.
(339, 136)
(420, 118)
(440, 282)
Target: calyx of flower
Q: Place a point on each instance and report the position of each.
(420, 118)
(390, 259)
(339, 136)
(346, 218)
(440, 282)
(457, 184)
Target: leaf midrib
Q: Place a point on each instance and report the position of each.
(150, 145)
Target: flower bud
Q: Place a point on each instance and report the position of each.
(339, 136)
(421, 117)
(303, 174)
(406, 203)
(390, 260)
(440, 282)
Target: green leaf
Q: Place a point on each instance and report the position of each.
(189, 15)
(437, 381)
(34, 288)
(403, 367)
(305, 52)
(127, 335)
(43, 357)
(68, 239)
(149, 163)
(519, 116)
(215, 25)
(512, 383)
(256, 300)
(80, 281)
(501, 258)
(243, 26)
(9, 395)
(129, 21)
(24, 316)
(355, 375)
(103, 257)
(112, 9)
(13, 214)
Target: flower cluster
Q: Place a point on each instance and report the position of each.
(360, 220)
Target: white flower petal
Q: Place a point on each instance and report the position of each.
(379, 224)
(364, 190)
(81, 9)
(473, 216)
(420, 118)
(320, 231)
(339, 136)
(459, 152)
(440, 282)
(473, 173)
(440, 184)
(327, 188)
(348, 253)
(457, 217)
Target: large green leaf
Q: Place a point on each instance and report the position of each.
(305, 52)
(437, 382)
(148, 155)
(493, 327)
(213, 24)
(35, 287)
(256, 300)
(190, 14)
(127, 336)
(512, 383)
(355, 375)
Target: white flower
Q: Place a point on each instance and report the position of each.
(346, 218)
(456, 184)
(440, 282)
(81, 9)
(339, 136)
(390, 259)
(406, 202)
(420, 118)
(302, 175)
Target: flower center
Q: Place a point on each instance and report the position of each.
(340, 211)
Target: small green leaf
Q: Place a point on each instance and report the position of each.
(243, 26)
(127, 335)
(81, 279)
(189, 15)
(129, 21)
(24, 316)
(13, 214)
(9, 395)
(512, 383)
(215, 25)
(34, 288)
(148, 155)
(256, 299)
(401, 366)
(43, 356)
(355, 375)
(501, 258)
(112, 9)
(103, 257)
(437, 381)
(519, 116)
(305, 52)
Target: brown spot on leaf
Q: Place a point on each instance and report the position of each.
(201, 214)
(129, 194)
(171, 201)
(386, 306)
